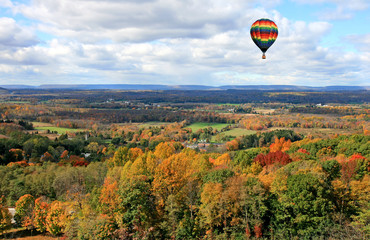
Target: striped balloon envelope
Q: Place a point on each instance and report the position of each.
(264, 33)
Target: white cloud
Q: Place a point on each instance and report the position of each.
(361, 42)
(13, 35)
(169, 42)
(122, 21)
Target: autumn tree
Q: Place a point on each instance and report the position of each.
(233, 145)
(109, 197)
(5, 216)
(277, 157)
(24, 211)
(280, 145)
(56, 218)
(40, 212)
(164, 150)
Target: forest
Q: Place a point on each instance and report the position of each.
(232, 164)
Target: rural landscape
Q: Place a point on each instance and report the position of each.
(184, 120)
(184, 164)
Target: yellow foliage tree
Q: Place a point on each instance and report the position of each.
(164, 150)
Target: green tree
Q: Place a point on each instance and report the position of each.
(304, 208)
(137, 206)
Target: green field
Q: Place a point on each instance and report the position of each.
(235, 132)
(200, 125)
(60, 130)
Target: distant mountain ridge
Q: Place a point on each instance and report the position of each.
(3, 90)
(184, 87)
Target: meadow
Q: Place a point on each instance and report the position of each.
(44, 127)
(201, 125)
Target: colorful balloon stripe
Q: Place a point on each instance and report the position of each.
(264, 33)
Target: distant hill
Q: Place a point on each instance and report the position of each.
(4, 91)
(187, 87)
(10, 87)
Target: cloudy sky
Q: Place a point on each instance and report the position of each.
(177, 42)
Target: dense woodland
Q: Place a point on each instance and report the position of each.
(301, 172)
(197, 96)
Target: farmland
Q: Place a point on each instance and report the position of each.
(155, 165)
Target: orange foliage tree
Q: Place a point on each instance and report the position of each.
(233, 145)
(109, 198)
(56, 219)
(24, 211)
(280, 145)
(40, 212)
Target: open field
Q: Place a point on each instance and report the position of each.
(235, 132)
(319, 132)
(153, 124)
(264, 111)
(60, 130)
(200, 125)
(40, 126)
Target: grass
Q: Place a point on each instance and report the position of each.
(235, 132)
(60, 130)
(200, 125)
(152, 124)
(40, 126)
(320, 132)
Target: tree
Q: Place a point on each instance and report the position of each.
(332, 168)
(253, 204)
(273, 158)
(109, 198)
(134, 153)
(47, 157)
(211, 207)
(224, 159)
(56, 218)
(137, 206)
(64, 155)
(5, 216)
(120, 157)
(233, 145)
(164, 150)
(304, 208)
(40, 212)
(24, 211)
(280, 145)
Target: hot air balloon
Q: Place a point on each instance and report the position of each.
(264, 33)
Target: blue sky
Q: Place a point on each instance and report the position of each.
(320, 42)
